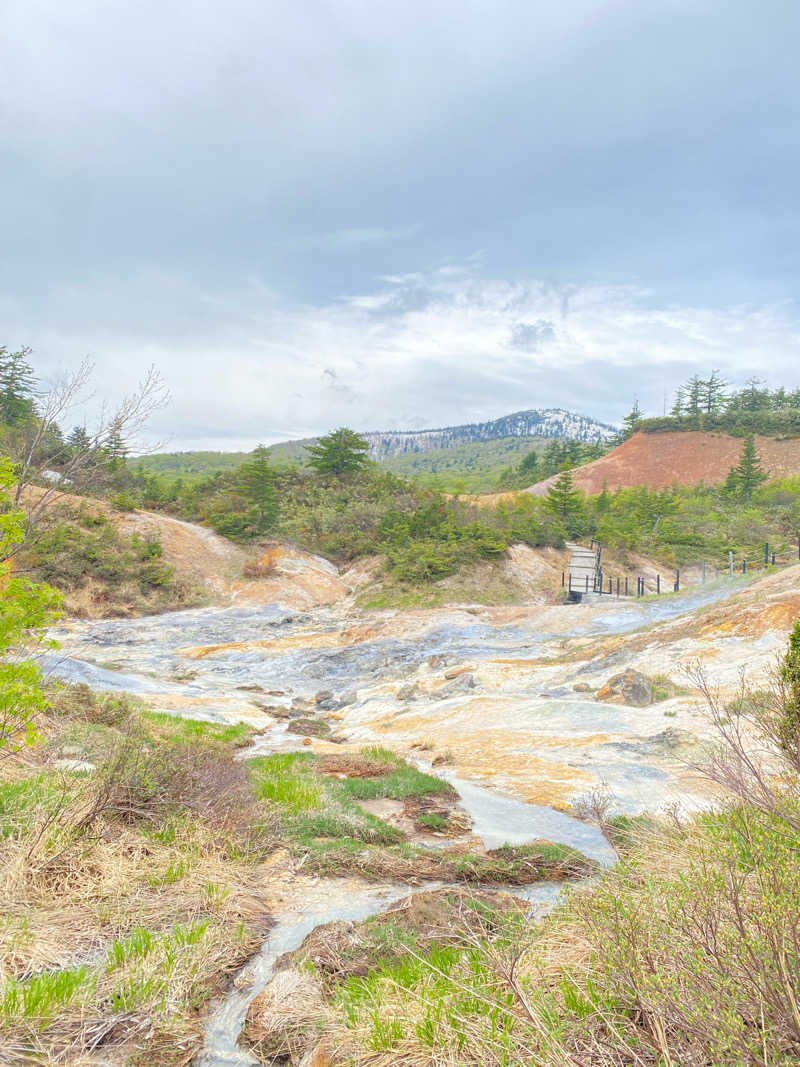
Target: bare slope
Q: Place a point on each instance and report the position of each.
(691, 457)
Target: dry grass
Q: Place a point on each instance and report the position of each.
(127, 895)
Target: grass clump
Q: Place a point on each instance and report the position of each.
(144, 867)
(404, 781)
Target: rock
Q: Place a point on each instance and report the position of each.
(324, 697)
(73, 765)
(409, 691)
(582, 687)
(348, 698)
(631, 687)
(437, 660)
(309, 727)
(603, 663)
(674, 742)
(277, 711)
(462, 684)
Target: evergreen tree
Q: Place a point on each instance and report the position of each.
(747, 476)
(529, 465)
(679, 403)
(17, 382)
(694, 390)
(79, 440)
(342, 451)
(711, 393)
(754, 397)
(565, 502)
(256, 480)
(115, 447)
(631, 422)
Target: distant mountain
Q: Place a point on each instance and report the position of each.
(476, 453)
(547, 422)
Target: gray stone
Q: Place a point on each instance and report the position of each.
(73, 765)
(631, 687)
(463, 684)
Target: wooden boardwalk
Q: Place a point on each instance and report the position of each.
(582, 566)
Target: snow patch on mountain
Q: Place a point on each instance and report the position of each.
(546, 422)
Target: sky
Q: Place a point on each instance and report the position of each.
(399, 214)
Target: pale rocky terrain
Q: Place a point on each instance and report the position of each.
(505, 695)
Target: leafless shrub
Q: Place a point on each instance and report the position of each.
(752, 760)
(55, 471)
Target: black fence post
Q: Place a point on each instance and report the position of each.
(658, 583)
(626, 585)
(570, 581)
(610, 587)
(677, 581)
(773, 559)
(587, 583)
(766, 553)
(744, 566)
(562, 579)
(617, 586)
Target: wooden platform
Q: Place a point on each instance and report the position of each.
(582, 566)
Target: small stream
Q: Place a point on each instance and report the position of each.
(148, 657)
(496, 819)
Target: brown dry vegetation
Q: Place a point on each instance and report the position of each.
(128, 894)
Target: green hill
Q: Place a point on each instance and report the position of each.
(469, 468)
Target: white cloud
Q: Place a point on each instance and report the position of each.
(430, 348)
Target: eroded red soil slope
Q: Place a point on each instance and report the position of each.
(659, 459)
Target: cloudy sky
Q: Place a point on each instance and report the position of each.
(399, 214)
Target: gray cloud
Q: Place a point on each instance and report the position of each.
(528, 336)
(401, 193)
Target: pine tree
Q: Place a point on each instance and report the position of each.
(79, 440)
(745, 478)
(115, 448)
(632, 421)
(565, 502)
(256, 480)
(17, 383)
(754, 397)
(711, 393)
(342, 451)
(694, 389)
(529, 465)
(678, 404)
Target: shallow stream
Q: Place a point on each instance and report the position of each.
(288, 654)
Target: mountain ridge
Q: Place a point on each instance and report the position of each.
(530, 422)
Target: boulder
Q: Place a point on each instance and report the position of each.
(462, 684)
(409, 691)
(631, 687)
(75, 765)
(324, 698)
(582, 687)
